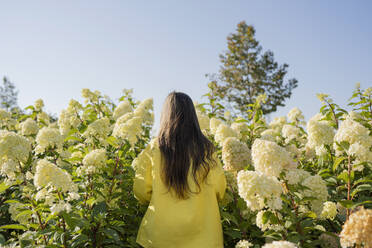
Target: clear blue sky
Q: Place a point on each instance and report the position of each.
(53, 49)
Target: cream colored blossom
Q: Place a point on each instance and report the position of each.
(259, 190)
(322, 97)
(5, 118)
(39, 104)
(329, 210)
(270, 158)
(321, 151)
(129, 130)
(280, 244)
(243, 244)
(60, 206)
(278, 123)
(223, 132)
(94, 160)
(235, 154)
(48, 138)
(9, 168)
(90, 96)
(352, 131)
(241, 128)
(48, 174)
(295, 115)
(290, 132)
(29, 127)
(144, 111)
(362, 153)
(213, 124)
(68, 119)
(318, 189)
(203, 120)
(99, 129)
(14, 146)
(269, 134)
(295, 176)
(357, 229)
(123, 108)
(319, 132)
(43, 117)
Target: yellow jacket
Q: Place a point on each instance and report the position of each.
(173, 223)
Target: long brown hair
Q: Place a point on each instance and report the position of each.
(182, 143)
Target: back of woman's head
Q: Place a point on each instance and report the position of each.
(183, 145)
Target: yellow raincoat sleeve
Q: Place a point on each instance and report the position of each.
(219, 179)
(142, 185)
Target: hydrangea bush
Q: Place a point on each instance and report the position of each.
(291, 183)
(68, 183)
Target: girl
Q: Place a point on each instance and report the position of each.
(182, 178)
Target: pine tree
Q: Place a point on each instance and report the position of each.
(246, 72)
(8, 95)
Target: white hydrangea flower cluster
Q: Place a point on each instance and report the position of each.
(259, 190)
(269, 134)
(99, 129)
(203, 120)
(280, 244)
(128, 129)
(295, 115)
(318, 189)
(90, 96)
(241, 128)
(213, 124)
(319, 132)
(269, 158)
(235, 154)
(6, 119)
(278, 123)
(267, 225)
(43, 117)
(29, 127)
(39, 104)
(329, 210)
(295, 176)
(123, 108)
(129, 125)
(11, 169)
(60, 206)
(48, 137)
(223, 132)
(321, 150)
(14, 146)
(144, 111)
(243, 244)
(92, 162)
(68, 119)
(4, 115)
(290, 132)
(357, 229)
(357, 136)
(48, 174)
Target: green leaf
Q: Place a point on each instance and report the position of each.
(3, 187)
(266, 217)
(337, 162)
(14, 226)
(347, 203)
(343, 176)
